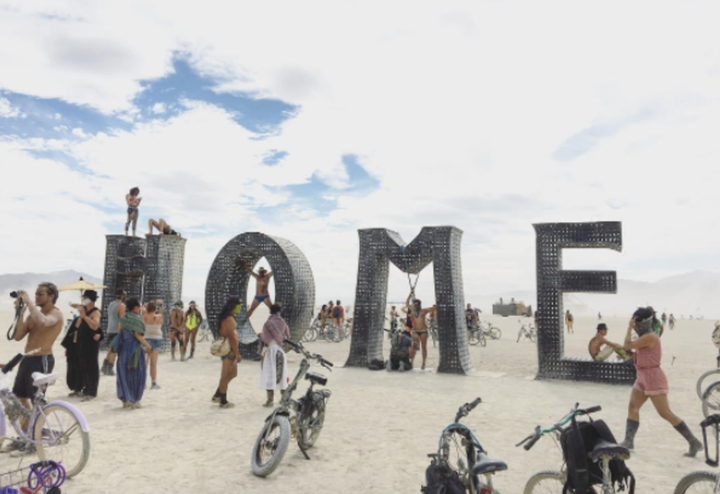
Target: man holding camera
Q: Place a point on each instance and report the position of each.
(42, 328)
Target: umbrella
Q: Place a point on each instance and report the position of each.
(81, 285)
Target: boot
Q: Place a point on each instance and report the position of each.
(693, 442)
(270, 398)
(110, 371)
(631, 429)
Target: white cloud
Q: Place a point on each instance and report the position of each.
(457, 109)
(7, 110)
(159, 108)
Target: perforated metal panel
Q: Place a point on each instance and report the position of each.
(379, 247)
(149, 268)
(294, 284)
(553, 281)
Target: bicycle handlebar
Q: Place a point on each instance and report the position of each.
(464, 410)
(299, 349)
(539, 431)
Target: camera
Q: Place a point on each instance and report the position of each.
(15, 294)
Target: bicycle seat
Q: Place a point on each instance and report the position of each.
(40, 379)
(486, 465)
(604, 448)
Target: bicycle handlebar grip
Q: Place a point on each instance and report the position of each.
(593, 409)
(532, 442)
(475, 403)
(326, 362)
(295, 346)
(15, 360)
(711, 420)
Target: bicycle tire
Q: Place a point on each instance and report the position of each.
(454, 437)
(53, 431)
(483, 340)
(545, 482)
(306, 337)
(495, 333)
(700, 387)
(473, 338)
(711, 400)
(533, 336)
(277, 446)
(311, 422)
(706, 482)
(520, 334)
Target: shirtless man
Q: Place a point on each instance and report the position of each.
(42, 328)
(338, 317)
(229, 362)
(420, 331)
(177, 330)
(262, 278)
(601, 348)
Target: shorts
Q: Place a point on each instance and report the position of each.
(651, 381)
(262, 298)
(23, 387)
(604, 354)
(155, 344)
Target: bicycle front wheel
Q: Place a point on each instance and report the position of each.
(495, 333)
(545, 482)
(270, 446)
(520, 335)
(711, 400)
(483, 340)
(698, 483)
(533, 336)
(60, 438)
(473, 338)
(460, 454)
(706, 380)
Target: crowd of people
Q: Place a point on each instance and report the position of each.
(332, 314)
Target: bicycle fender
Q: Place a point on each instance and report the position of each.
(280, 412)
(76, 411)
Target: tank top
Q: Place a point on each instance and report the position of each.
(85, 332)
(113, 320)
(647, 358)
(153, 331)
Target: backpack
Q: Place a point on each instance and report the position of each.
(376, 364)
(441, 479)
(577, 442)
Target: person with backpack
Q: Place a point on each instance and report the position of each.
(651, 382)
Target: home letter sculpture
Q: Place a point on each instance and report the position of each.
(379, 247)
(553, 281)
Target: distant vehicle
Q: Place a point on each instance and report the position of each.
(512, 309)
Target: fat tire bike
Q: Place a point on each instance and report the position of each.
(303, 418)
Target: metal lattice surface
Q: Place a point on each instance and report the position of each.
(294, 284)
(148, 268)
(379, 247)
(553, 281)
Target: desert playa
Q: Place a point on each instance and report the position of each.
(379, 425)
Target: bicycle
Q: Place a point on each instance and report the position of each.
(303, 418)
(52, 426)
(204, 332)
(491, 331)
(472, 461)
(476, 334)
(703, 482)
(432, 327)
(553, 481)
(528, 332)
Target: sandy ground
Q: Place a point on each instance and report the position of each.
(379, 426)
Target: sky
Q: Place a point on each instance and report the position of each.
(310, 120)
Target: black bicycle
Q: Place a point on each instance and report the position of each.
(303, 418)
(459, 451)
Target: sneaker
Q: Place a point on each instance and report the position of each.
(135, 405)
(216, 399)
(227, 405)
(154, 386)
(88, 398)
(127, 404)
(74, 394)
(268, 404)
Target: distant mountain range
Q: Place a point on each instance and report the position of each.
(695, 294)
(29, 282)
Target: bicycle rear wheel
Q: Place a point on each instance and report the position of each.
(545, 482)
(711, 400)
(698, 483)
(311, 422)
(533, 336)
(483, 340)
(60, 438)
(495, 333)
(706, 380)
(473, 337)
